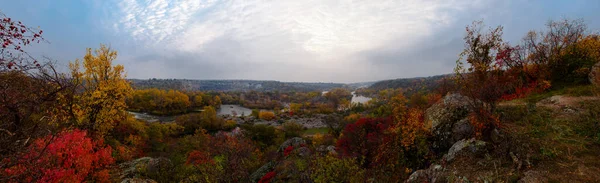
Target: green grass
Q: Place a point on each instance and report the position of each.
(312, 131)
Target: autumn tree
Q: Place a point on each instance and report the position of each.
(104, 89)
(362, 139)
(337, 96)
(29, 91)
(266, 115)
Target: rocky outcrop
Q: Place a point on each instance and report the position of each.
(465, 147)
(594, 75)
(254, 177)
(326, 150)
(295, 142)
(448, 120)
(147, 166)
(133, 168)
(435, 173)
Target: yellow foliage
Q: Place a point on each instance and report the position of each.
(266, 115)
(104, 90)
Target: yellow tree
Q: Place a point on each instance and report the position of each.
(104, 89)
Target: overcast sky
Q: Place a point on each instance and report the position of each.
(302, 40)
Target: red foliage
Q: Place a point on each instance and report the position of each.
(14, 35)
(70, 156)
(267, 178)
(288, 150)
(526, 90)
(363, 138)
(199, 158)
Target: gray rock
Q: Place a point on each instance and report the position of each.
(331, 150)
(448, 120)
(133, 168)
(296, 142)
(145, 166)
(464, 147)
(462, 129)
(254, 177)
(594, 75)
(302, 151)
(435, 173)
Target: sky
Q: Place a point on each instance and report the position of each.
(303, 40)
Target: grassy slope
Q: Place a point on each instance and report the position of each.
(559, 141)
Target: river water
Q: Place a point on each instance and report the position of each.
(236, 110)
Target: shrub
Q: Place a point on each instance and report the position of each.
(362, 139)
(292, 129)
(332, 169)
(266, 115)
(70, 156)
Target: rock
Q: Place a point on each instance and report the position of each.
(132, 168)
(464, 147)
(448, 120)
(461, 130)
(302, 151)
(594, 75)
(146, 166)
(254, 177)
(331, 150)
(296, 142)
(435, 173)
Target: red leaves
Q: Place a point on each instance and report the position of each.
(363, 138)
(70, 156)
(267, 178)
(14, 36)
(288, 150)
(199, 158)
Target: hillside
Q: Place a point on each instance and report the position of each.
(231, 85)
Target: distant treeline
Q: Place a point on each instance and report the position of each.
(231, 85)
(431, 83)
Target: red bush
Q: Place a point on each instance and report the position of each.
(267, 178)
(70, 156)
(288, 150)
(363, 138)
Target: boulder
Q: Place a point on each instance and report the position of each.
(465, 147)
(594, 75)
(302, 152)
(435, 173)
(145, 166)
(448, 120)
(296, 142)
(266, 168)
(133, 168)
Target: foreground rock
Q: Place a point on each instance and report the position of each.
(290, 164)
(465, 147)
(448, 120)
(435, 173)
(133, 169)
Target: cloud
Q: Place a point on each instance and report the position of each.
(311, 40)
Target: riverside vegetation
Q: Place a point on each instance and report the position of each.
(527, 112)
